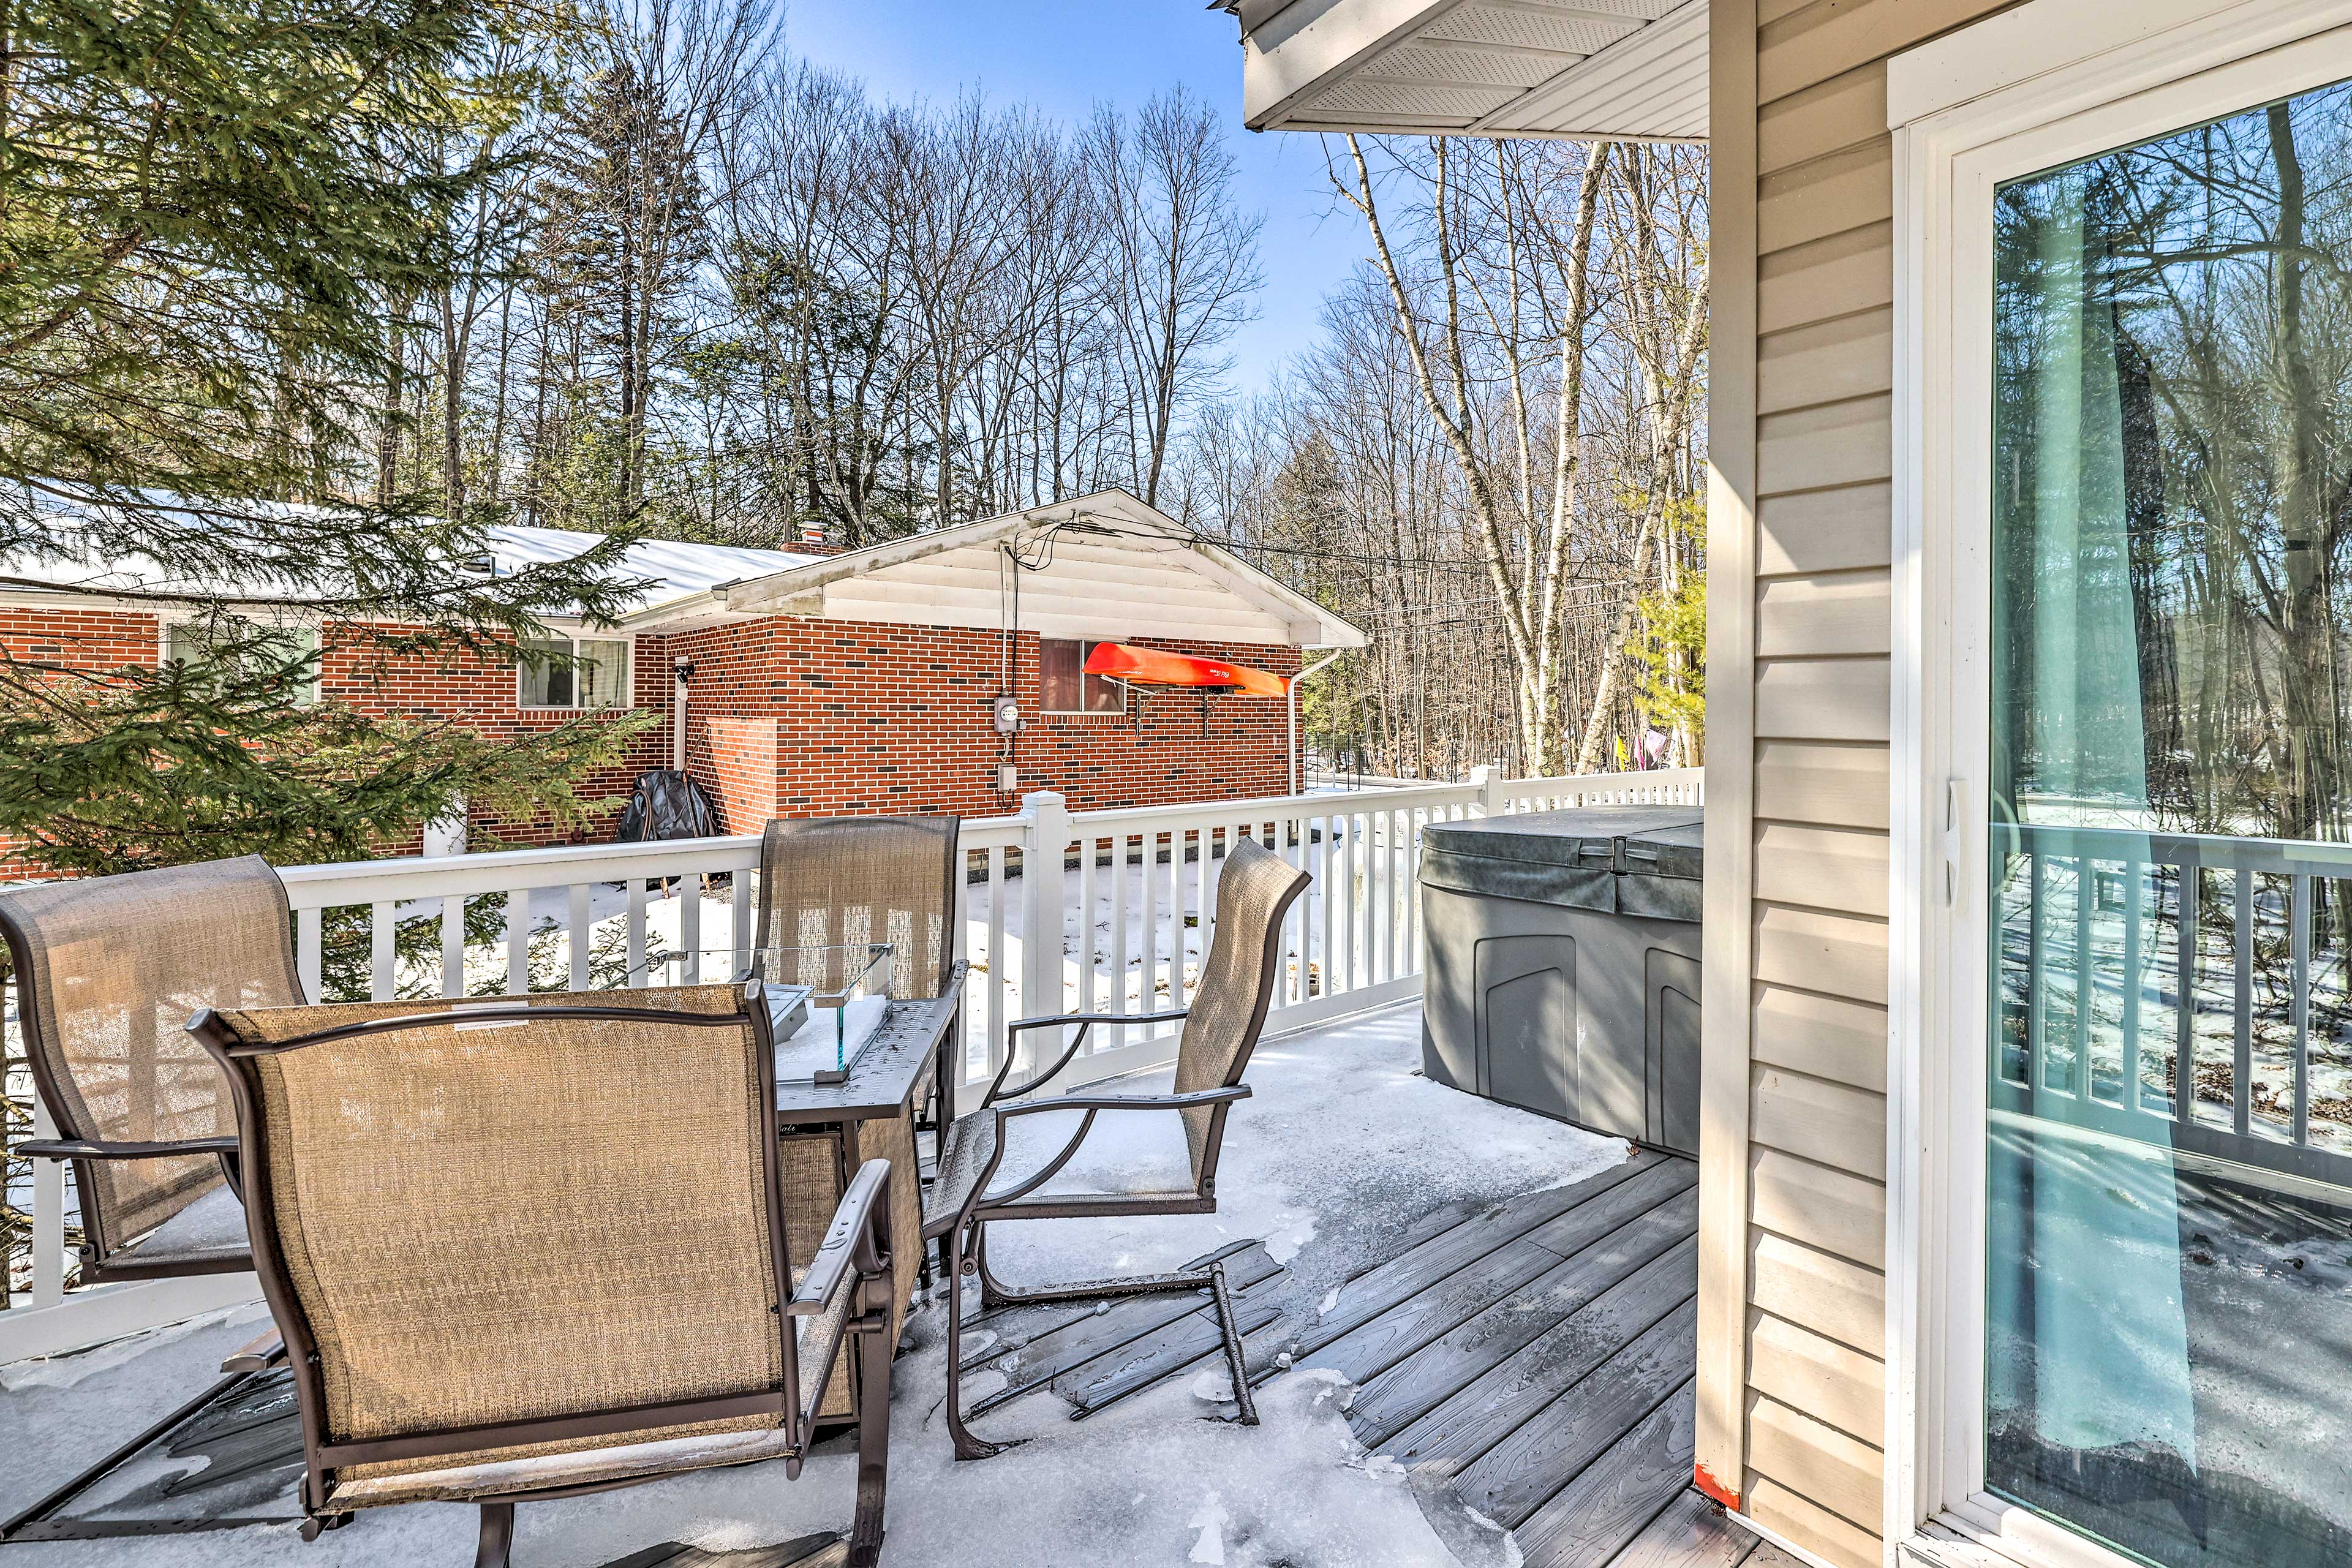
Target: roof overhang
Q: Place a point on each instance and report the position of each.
(1588, 70)
(1119, 568)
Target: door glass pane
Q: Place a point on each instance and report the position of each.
(2168, 1308)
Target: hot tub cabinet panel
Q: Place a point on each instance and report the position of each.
(1551, 983)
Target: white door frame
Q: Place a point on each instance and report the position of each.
(2032, 88)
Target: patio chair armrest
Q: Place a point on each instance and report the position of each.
(1088, 1106)
(1168, 1016)
(97, 1149)
(851, 1242)
(264, 1352)
(1084, 1021)
(1126, 1102)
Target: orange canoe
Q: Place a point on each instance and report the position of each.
(1150, 667)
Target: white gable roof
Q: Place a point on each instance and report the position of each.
(1104, 565)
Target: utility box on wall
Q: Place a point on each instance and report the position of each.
(1563, 965)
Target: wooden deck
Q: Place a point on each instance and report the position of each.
(1535, 1354)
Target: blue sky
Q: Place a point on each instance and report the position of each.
(1065, 56)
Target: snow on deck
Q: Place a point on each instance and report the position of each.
(1342, 1148)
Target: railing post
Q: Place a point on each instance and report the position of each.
(48, 1216)
(1486, 778)
(1045, 835)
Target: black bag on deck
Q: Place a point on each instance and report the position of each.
(668, 804)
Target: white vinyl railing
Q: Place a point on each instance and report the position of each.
(1128, 896)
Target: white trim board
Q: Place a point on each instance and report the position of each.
(1988, 103)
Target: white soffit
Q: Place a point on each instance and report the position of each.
(1592, 69)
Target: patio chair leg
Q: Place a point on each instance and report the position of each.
(967, 1447)
(873, 1443)
(1231, 1332)
(497, 1535)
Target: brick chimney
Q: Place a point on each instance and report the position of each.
(810, 540)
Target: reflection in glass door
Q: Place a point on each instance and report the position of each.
(2168, 1311)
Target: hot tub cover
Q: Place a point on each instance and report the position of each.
(1641, 860)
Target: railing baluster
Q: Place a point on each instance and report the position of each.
(1205, 918)
(518, 941)
(578, 926)
(1086, 924)
(999, 969)
(453, 946)
(2184, 1063)
(1321, 894)
(2085, 877)
(740, 920)
(2135, 895)
(2036, 988)
(2241, 1074)
(1119, 916)
(309, 929)
(689, 924)
(48, 1216)
(380, 950)
(637, 930)
(2299, 1000)
(1347, 887)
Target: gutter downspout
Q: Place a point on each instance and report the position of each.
(683, 668)
(1291, 698)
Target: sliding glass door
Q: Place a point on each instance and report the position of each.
(2168, 1203)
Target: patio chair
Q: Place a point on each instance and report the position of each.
(537, 1248)
(108, 970)
(995, 1168)
(832, 883)
(836, 882)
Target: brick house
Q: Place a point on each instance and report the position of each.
(806, 684)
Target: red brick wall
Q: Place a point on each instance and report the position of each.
(797, 718)
(79, 640)
(482, 692)
(465, 687)
(884, 718)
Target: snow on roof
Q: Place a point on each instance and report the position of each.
(676, 569)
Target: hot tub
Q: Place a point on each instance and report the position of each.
(1562, 970)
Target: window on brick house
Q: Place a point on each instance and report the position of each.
(1066, 688)
(192, 642)
(581, 672)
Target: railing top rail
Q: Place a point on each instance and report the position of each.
(2221, 850)
(1274, 807)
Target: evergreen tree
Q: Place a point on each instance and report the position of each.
(210, 215)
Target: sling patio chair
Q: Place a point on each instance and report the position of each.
(832, 885)
(539, 1248)
(107, 971)
(999, 1160)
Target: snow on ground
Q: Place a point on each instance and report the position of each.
(1343, 1145)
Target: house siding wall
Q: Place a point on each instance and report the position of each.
(1800, 100)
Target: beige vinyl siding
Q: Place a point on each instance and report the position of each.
(1823, 388)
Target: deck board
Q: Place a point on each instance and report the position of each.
(1556, 1400)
